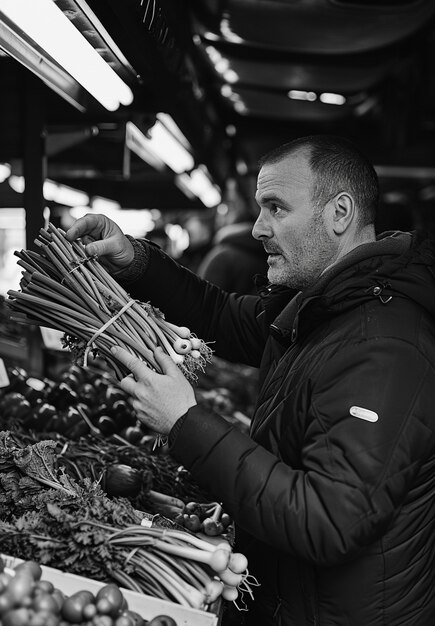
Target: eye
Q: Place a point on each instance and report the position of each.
(275, 209)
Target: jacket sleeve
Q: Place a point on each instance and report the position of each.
(354, 474)
(232, 324)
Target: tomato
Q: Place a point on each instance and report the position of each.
(89, 611)
(124, 620)
(45, 602)
(31, 567)
(162, 620)
(102, 620)
(72, 608)
(3, 585)
(20, 587)
(16, 617)
(5, 579)
(44, 586)
(137, 620)
(59, 597)
(44, 618)
(104, 607)
(6, 603)
(114, 598)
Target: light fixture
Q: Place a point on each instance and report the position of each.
(135, 222)
(300, 94)
(5, 171)
(163, 145)
(332, 98)
(101, 205)
(19, 47)
(50, 39)
(231, 76)
(221, 65)
(136, 141)
(61, 194)
(227, 33)
(199, 184)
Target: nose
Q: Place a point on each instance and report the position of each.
(260, 229)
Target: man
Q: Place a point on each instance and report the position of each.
(333, 492)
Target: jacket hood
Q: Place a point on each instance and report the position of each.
(397, 264)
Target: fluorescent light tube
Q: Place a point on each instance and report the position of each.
(161, 147)
(183, 183)
(299, 94)
(101, 205)
(58, 37)
(28, 54)
(136, 141)
(61, 194)
(198, 184)
(166, 146)
(172, 127)
(5, 171)
(332, 98)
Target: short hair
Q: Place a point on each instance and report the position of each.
(337, 165)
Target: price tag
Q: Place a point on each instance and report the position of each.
(52, 338)
(4, 378)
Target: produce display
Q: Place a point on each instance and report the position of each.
(26, 599)
(83, 401)
(67, 494)
(96, 429)
(47, 516)
(65, 289)
(83, 486)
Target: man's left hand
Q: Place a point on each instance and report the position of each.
(158, 399)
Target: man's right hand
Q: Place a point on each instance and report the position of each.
(104, 238)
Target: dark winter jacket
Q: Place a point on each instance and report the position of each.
(334, 492)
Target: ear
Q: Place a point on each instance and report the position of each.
(342, 212)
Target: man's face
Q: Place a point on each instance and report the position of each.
(293, 234)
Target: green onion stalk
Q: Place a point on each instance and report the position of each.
(65, 289)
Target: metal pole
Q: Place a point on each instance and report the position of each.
(34, 161)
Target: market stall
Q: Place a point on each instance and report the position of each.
(86, 491)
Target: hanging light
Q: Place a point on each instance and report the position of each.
(163, 145)
(51, 36)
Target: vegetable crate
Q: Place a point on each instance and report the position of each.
(147, 606)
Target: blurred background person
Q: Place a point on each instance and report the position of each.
(234, 259)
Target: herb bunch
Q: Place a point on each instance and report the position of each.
(65, 289)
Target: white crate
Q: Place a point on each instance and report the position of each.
(147, 606)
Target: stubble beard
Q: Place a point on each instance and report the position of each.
(309, 258)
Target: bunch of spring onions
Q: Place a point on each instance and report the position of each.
(164, 563)
(179, 566)
(65, 289)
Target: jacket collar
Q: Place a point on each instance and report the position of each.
(285, 325)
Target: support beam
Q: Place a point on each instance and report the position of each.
(34, 165)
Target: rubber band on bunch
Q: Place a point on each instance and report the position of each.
(77, 265)
(103, 328)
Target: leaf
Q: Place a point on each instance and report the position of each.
(38, 462)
